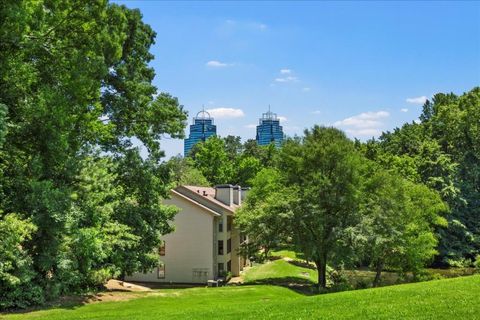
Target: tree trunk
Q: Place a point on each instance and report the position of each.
(322, 273)
(378, 275)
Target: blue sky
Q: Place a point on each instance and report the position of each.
(361, 66)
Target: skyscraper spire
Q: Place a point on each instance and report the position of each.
(269, 129)
(201, 129)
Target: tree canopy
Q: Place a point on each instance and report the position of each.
(76, 195)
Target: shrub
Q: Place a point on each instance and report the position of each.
(336, 280)
(16, 271)
(459, 263)
(477, 263)
(425, 275)
(362, 284)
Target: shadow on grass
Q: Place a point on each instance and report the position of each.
(72, 302)
(297, 284)
(67, 303)
(274, 258)
(302, 263)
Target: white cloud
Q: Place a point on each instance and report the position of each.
(404, 110)
(364, 132)
(251, 126)
(417, 100)
(226, 113)
(285, 71)
(217, 64)
(316, 112)
(291, 129)
(306, 89)
(364, 124)
(259, 26)
(282, 118)
(287, 79)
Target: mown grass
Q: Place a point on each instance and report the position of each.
(286, 253)
(457, 298)
(280, 271)
(296, 270)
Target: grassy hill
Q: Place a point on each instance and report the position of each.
(457, 298)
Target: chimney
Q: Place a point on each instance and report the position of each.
(244, 193)
(237, 195)
(224, 193)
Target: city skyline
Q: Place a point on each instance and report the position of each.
(362, 67)
(202, 127)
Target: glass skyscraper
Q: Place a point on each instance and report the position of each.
(200, 130)
(269, 130)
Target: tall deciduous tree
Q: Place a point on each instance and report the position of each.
(324, 168)
(266, 214)
(443, 152)
(75, 78)
(398, 219)
(211, 158)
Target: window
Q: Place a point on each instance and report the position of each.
(229, 223)
(220, 267)
(220, 247)
(220, 226)
(161, 250)
(229, 245)
(229, 266)
(200, 274)
(161, 271)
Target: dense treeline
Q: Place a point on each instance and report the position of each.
(340, 209)
(442, 151)
(78, 204)
(408, 199)
(222, 160)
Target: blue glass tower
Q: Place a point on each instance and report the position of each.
(269, 130)
(200, 130)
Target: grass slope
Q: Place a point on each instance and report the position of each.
(457, 298)
(279, 271)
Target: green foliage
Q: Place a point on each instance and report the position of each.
(266, 213)
(324, 169)
(233, 146)
(16, 266)
(443, 152)
(246, 169)
(183, 172)
(397, 227)
(477, 263)
(3, 123)
(212, 159)
(226, 160)
(77, 85)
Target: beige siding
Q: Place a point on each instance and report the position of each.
(189, 250)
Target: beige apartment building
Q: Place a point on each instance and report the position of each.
(204, 244)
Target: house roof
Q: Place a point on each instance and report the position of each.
(205, 196)
(195, 202)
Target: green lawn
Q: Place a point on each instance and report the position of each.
(296, 270)
(286, 253)
(280, 271)
(457, 298)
